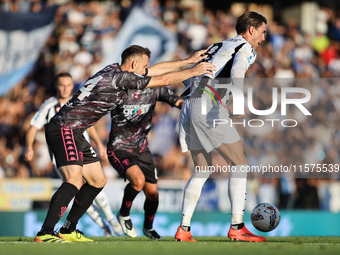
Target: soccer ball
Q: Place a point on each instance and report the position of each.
(265, 217)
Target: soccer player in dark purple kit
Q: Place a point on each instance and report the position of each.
(129, 153)
(99, 95)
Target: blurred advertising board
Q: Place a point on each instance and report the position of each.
(19, 194)
(293, 223)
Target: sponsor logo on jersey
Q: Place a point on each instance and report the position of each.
(135, 109)
(136, 95)
(36, 116)
(234, 40)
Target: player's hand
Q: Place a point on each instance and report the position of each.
(102, 152)
(179, 103)
(229, 110)
(243, 116)
(203, 68)
(237, 116)
(29, 154)
(198, 56)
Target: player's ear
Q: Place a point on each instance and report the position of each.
(134, 64)
(252, 30)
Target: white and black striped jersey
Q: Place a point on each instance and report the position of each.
(232, 58)
(45, 112)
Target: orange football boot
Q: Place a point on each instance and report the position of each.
(244, 234)
(184, 236)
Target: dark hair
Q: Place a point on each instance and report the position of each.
(61, 75)
(248, 19)
(135, 50)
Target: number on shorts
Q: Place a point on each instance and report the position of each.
(156, 176)
(87, 88)
(93, 152)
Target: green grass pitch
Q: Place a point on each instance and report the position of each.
(204, 245)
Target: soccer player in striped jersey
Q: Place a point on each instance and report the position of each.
(200, 135)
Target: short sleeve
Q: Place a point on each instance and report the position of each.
(243, 60)
(167, 95)
(40, 117)
(128, 80)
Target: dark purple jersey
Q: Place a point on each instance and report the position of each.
(131, 120)
(100, 94)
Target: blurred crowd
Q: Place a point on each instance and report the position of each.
(288, 57)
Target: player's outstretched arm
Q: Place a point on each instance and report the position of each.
(30, 136)
(168, 96)
(170, 66)
(175, 77)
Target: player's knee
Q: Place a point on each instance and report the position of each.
(75, 181)
(99, 182)
(72, 174)
(243, 160)
(239, 160)
(138, 183)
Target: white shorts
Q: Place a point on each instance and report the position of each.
(198, 131)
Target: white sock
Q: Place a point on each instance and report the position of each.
(104, 205)
(191, 195)
(94, 213)
(237, 193)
